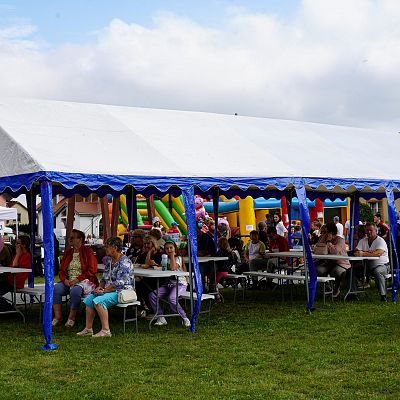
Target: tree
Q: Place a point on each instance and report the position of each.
(366, 213)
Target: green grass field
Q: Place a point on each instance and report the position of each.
(260, 349)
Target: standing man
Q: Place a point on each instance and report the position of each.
(382, 228)
(374, 245)
(339, 226)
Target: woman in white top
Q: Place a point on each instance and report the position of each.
(280, 228)
(168, 290)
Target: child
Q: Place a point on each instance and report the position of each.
(168, 290)
(223, 266)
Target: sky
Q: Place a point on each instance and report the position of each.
(327, 61)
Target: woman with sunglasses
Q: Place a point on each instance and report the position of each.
(117, 276)
(78, 264)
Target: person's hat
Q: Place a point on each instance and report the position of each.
(173, 223)
(156, 219)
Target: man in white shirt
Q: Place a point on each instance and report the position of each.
(254, 254)
(339, 227)
(374, 245)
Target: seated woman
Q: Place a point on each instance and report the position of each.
(334, 245)
(151, 253)
(149, 257)
(136, 246)
(222, 267)
(78, 264)
(22, 259)
(168, 290)
(157, 234)
(5, 254)
(117, 276)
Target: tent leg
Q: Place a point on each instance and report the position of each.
(48, 242)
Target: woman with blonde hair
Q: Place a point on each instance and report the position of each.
(150, 257)
(151, 254)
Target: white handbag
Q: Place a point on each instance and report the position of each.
(127, 296)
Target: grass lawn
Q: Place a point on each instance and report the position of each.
(260, 349)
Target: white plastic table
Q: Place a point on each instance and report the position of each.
(214, 259)
(14, 271)
(158, 274)
(299, 254)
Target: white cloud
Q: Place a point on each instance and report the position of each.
(334, 61)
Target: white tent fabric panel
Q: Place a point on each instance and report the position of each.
(98, 139)
(8, 213)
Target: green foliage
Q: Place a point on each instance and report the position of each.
(260, 349)
(366, 213)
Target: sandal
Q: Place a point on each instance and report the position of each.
(103, 333)
(56, 322)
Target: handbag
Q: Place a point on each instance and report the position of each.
(321, 248)
(87, 286)
(127, 296)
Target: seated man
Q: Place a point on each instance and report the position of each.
(262, 232)
(254, 254)
(276, 243)
(374, 245)
(297, 237)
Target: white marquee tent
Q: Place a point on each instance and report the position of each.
(62, 147)
(6, 214)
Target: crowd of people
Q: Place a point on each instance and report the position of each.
(78, 268)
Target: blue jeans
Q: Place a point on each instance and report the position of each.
(75, 294)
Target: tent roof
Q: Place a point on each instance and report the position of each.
(95, 144)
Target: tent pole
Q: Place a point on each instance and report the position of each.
(188, 200)
(48, 242)
(151, 212)
(134, 210)
(31, 203)
(70, 219)
(191, 280)
(115, 215)
(393, 236)
(215, 211)
(289, 208)
(310, 272)
(105, 218)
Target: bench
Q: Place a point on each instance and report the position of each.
(237, 279)
(125, 306)
(204, 297)
(37, 293)
(301, 278)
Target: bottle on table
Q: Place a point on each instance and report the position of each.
(164, 262)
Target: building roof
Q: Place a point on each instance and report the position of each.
(81, 208)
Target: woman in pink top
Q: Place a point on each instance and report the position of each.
(335, 268)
